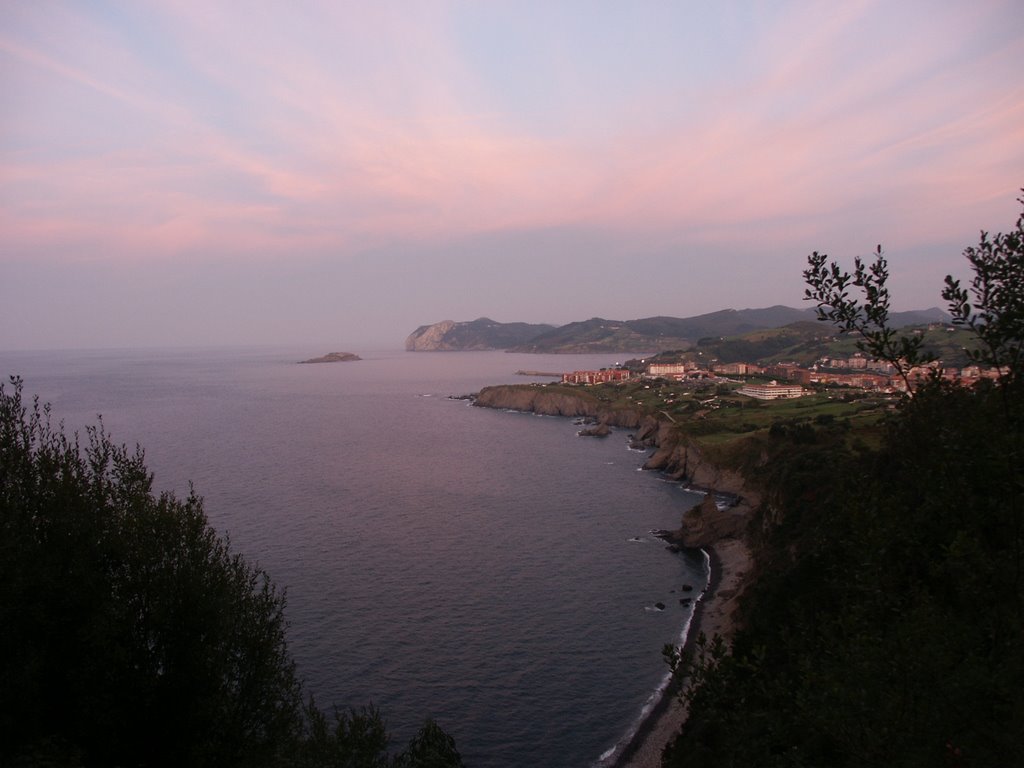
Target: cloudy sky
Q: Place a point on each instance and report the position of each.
(316, 171)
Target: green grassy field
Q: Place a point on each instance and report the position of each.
(716, 414)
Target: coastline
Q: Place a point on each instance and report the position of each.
(717, 533)
(729, 562)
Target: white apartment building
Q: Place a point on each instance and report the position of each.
(772, 391)
(666, 369)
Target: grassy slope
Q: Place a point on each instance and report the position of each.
(805, 342)
(716, 415)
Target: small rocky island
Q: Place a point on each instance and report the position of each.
(333, 357)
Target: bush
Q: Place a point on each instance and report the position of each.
(129, 632)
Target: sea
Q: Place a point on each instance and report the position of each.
(489, 569)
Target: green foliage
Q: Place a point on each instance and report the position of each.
(359, 739)
(829, 287)
(131, 634)
(127, 628)
(356, 739)
(997, 313)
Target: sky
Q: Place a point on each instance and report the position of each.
(323, 172)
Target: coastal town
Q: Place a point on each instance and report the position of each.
(783, 380)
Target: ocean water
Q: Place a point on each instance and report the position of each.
(489, 569)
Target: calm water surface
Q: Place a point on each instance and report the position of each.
(489, 569)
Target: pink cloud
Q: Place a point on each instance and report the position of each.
(329, 160)
(40, 60)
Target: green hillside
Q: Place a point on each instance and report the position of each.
(806, 341)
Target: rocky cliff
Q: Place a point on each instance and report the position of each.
(709, 521)
(474, 335)
(681, 458)
(536, 399)
(429, 338)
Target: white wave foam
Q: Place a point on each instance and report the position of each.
(605, 759)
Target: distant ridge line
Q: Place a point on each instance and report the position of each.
(600, 335)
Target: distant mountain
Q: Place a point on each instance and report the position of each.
(480, 334)
(729, 322)
(919, 317)
(649, 334)
(657, 333)
(599, 335)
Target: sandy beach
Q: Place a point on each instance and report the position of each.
(713, 615)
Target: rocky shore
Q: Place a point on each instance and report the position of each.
(716, 527)
(730, 561)
(536, 399)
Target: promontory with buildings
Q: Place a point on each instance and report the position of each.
(749, 418)
(775, 352)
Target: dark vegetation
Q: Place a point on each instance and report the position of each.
(885, 622)
(131, 634)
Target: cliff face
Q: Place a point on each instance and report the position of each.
(474, 335)
(682, 459)
(516, 397)
(706, 523)
(429, 338)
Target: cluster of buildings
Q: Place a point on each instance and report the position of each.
(878, 375)
(683, 371)
(603, 376)
(856, 371)
(818, 375)
(857, 362)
